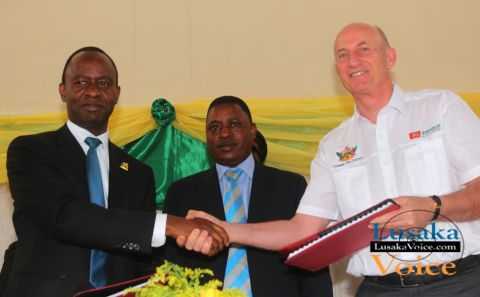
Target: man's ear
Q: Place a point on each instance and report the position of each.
(253, 130)
(391, 57)
(61, 91)
(117, 95)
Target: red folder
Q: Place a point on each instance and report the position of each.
(342, 239)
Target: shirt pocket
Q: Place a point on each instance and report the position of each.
(353, 189)
(426, 167)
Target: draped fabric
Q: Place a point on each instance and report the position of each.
(171, 153)
(172, 140)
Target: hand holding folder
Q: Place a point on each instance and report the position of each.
(342, 239)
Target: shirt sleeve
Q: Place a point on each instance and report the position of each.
(462, 131)
(320, 197)
(159, 228)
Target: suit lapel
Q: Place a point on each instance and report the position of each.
(116, 177)
(71, 160)
(259, 190)
(212, 202)
(213, 196)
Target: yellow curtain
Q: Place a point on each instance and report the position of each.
(293, 127)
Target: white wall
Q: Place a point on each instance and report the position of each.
(187, 49)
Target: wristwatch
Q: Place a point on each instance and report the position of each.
(438, 205)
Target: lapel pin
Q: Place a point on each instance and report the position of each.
(124, 166)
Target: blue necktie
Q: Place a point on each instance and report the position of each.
(95, 187)
(236, 272)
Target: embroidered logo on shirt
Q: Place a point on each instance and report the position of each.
(124, 166)
(424, 133)
(347, 154)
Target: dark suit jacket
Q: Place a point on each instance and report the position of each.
(56, 225)
(275, 195)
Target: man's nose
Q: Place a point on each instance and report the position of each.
(353, 60)
(92, 90)
(225, 131)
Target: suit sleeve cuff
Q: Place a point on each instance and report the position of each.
(159, 228)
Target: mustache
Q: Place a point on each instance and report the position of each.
(225, 143)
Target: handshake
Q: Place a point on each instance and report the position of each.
(199, 232)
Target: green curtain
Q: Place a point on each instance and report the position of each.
(171, 153)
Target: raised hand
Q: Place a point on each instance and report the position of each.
(203, 236)
(194, 240)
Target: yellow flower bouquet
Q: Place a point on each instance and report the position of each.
(171, 280)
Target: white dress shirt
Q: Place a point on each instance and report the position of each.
(424, 143)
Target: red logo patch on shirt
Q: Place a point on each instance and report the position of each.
(415, 134)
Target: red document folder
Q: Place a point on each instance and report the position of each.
(342, 239)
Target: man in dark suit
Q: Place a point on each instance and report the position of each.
(267, 193)
(68, 240)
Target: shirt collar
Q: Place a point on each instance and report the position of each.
(246, 165)
(81, 134)
(397, 102)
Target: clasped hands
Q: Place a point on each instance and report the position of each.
(198, 233)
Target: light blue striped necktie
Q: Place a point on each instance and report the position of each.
(98, 258)
(236, 272)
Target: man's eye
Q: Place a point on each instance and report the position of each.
(235, 124)
(364, 49)
(81, 82)
(342, 56)
(103, 84)
(213, 128)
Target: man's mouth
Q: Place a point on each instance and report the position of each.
(92, 107)
(226, 147)
(357, 73)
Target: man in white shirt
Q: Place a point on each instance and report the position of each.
(84, 210)
(420, 148)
